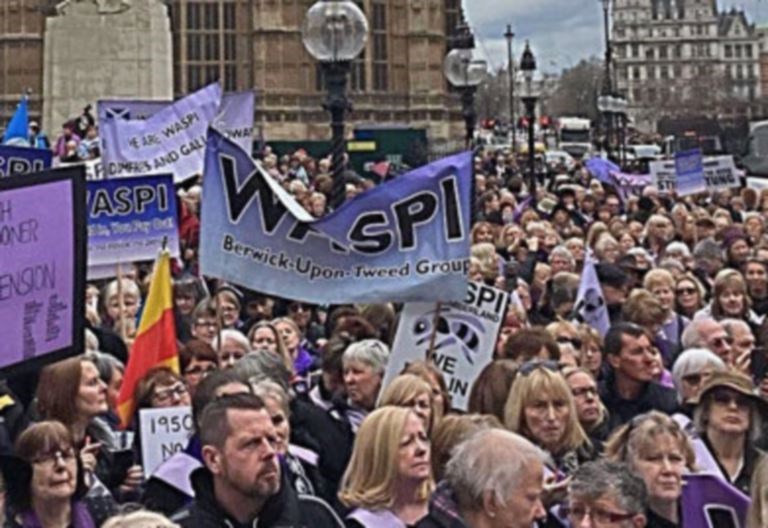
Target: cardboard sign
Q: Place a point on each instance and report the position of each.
(464, 338)
(164, 432)
(128, 218)
(42, 266)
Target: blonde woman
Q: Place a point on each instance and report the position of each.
(541, 408)
(409, 390)
(389, 478)
(656, 449)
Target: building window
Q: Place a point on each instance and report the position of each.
(737, 51)
(664, 72)
(748, 51)
(678, 51)
(211, 49)
(677, 71)
(662, 52)
(728, 51)
(380, 55)
(635, 51)
(636, 72)
(649, 54)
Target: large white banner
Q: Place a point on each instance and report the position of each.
(171, 141)
(463, 333)
(719, 173)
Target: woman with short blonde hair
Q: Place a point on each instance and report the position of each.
(657, 449)
(377, 487)
(541, 408)
(409, 390)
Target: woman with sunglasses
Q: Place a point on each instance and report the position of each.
(728, 418)
(689, 295)
(541, 408)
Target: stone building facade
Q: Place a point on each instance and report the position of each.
(674, 57)
(256, 44)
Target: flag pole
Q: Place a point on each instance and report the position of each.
(121, 300)
(433, 334)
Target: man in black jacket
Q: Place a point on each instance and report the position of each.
(629, 388)
(241, 484)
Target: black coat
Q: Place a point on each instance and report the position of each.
(654, 397)
(285, 509)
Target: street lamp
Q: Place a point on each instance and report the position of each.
(607, 88)
(334, 33)
(465, 72)
(509, 35)
(620, 108)
(529, 97)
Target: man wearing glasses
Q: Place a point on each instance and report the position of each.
(606, 494)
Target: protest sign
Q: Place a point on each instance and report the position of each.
(94, 170)
(406, 240)
(663, 175)
(720, 173)
(464, 336)
(171, 141)
(128, 109)
(164, 432)
(23, 160)
(128, 219)
(234, 119)
(710, 502)
(684, 175)
(42, 276)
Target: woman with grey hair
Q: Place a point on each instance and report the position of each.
(363, 363)
(728, 418)
(692, 369)
(230, 345)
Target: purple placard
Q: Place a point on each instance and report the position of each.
(37, 270)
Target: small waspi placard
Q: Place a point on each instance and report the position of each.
(128, 218)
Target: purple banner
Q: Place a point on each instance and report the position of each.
(42, 272)
(710, 502)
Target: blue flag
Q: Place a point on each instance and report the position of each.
(405, 240)
(17, 132)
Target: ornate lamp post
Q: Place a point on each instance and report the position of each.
(529, 97)
(607, 88)
(465, 73)
(509, 35)
(334, 33)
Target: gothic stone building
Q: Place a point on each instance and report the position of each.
(256, 44)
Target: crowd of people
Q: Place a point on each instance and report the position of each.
(293, 426)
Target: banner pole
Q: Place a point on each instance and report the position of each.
(433, 334)
(121, 300)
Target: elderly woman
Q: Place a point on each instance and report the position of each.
(689, 295)
(646, 310)
(230, 345)
(541, 408)
(691, 371)
(607, 249)
(161, 387)
(453, 430)
(122, 300)
(389, 478)
(46, 486)
(728, 418)
(409, 390)
(590, 410)
(656, 449)
(72, 392)
(364, 363)
(429, 372)
(300, 462)
(661, 283)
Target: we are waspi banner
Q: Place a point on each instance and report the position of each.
(234, 119)
(406, 240)
(171, 141)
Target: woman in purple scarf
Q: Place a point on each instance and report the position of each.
(45, 482)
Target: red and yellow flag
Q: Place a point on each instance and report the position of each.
(155, 343)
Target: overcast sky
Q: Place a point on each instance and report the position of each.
(561, 32)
